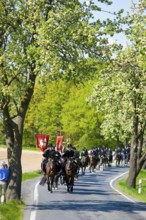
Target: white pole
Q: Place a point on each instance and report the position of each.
(140, 186)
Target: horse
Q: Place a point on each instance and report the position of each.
(104, 161)
(118, 159)
(84, 163)
(50, 173)
(93, 162)
(70, 173)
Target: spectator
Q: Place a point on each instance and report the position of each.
(4, 175)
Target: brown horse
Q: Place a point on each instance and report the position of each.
(118, 159)
(50, 173)
(84, 163)
(70, 173)
(93, 162)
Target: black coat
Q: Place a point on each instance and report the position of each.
(68, 153)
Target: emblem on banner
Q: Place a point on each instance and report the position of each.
(42, 141)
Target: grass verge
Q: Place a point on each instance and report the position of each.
(30, 175)
(121, 185)
(12, 210)
(15, 208)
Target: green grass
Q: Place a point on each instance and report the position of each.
(12, 210)
(121, 185)
(30, 175)
(15, 208)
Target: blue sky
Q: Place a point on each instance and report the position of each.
(115, 7)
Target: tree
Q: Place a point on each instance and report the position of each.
(138, 150)
(63, 105)
(36, 38)
(44, 113)
(79, 119)
(120, 95)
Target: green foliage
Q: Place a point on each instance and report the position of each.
(120, 85)
(53, 40)
(44, 113)
(80, 122)
(61, 105)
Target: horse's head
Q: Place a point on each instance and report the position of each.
(71, 166)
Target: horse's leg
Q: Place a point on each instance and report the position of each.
(82, 170)
(72, 183)
(51, 184)
(48, 183)
(90, 168)
(67, 183)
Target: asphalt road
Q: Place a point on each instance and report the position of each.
(94, 198)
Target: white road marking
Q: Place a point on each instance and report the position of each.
(111, 185)
(35, 202)
(36, 195)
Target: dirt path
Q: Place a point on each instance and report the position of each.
(31, 160)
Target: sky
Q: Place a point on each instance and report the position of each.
(115, 7)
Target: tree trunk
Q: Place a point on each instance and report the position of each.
(141, 154)
(131, 181)
(14, 134)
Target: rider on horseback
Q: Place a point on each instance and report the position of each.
(66, 154)
(69, 152)
(84, 152)
(50, 153)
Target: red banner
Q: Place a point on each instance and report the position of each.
(42, 141)
(59, 143)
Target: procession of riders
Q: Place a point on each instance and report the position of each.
(93, 159)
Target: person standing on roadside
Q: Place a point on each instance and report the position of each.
(4, 176)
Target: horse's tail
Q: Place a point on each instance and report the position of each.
(43, 180)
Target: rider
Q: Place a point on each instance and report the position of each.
(66, 154)
(69, 152)
(50, 153)
(84, 152)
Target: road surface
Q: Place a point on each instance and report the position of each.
(94, 198)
